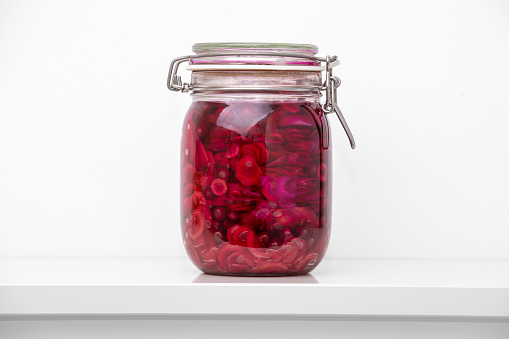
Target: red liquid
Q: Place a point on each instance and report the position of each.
(255, 187)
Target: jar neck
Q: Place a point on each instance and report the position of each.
(259, 83)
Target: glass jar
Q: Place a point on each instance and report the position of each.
(256, 158)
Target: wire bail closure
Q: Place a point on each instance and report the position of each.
(174, 81)
(331, 100)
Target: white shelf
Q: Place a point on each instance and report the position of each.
(172, 286)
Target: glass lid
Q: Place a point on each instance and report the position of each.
(253, 53)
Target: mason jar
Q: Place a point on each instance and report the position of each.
(256, 169)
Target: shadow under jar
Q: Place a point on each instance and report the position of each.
(256, 160)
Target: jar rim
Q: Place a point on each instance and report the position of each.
(204, 47)
(253, 53)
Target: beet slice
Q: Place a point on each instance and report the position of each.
(223, 173)
(227, 223)
(290, 253)
(220, 213)
(187, 206)
(219, 187)
(275, 242)
(309, 198)
(218, 132)
(239, 269)
(291, 135)
(217, 145)
(225, 250)
(219, 237)
(307, 185)
(245, 237)
(188, 173)
(206, 181)
(235, 258)
(311, 147)
(318, 241)
(281, 172)
(233, 215)
(307, 263)
(248, 172)
(208, 194)
(311, 169)
(190, 189)
(297, 120)
(241, 235)
(323, 172)
(198, 199)
(262, 239)
(210, 164)
(260, 254)
(285, 234)
(241, 192)
(201, 132)
(273, 120)
(307, 132)
(232, 163)
(274, 140)
(201, 155)
(219, 156)
(196, 225)
(293, 251)
(275, 254)
(215, 225)
(301, 245)
(296, 216)
(257, 132)
(202, 110)
(289, 158)
(251, 150)
(202, 243)
(233, 150)
(290, 107)
(302, 232)
(239, 262)
(270, 267)
(240, 206)
(263, 152)
(218, 202)
(280, 189)
(210, 266)
(257, 215)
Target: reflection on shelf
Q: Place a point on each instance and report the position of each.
(223, 279)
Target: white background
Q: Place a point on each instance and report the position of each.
(89, 133)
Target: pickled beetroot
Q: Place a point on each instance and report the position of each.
(220, 213)
(255, 187)
(219, 187)
(295, 120)
(223, 173)
(295, 217)
(196, 225)
(241, 235)
(248, 173)
(290, 107)
(323, 172)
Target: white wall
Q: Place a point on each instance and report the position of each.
(89, 133)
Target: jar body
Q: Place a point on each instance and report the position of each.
(256, 184)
